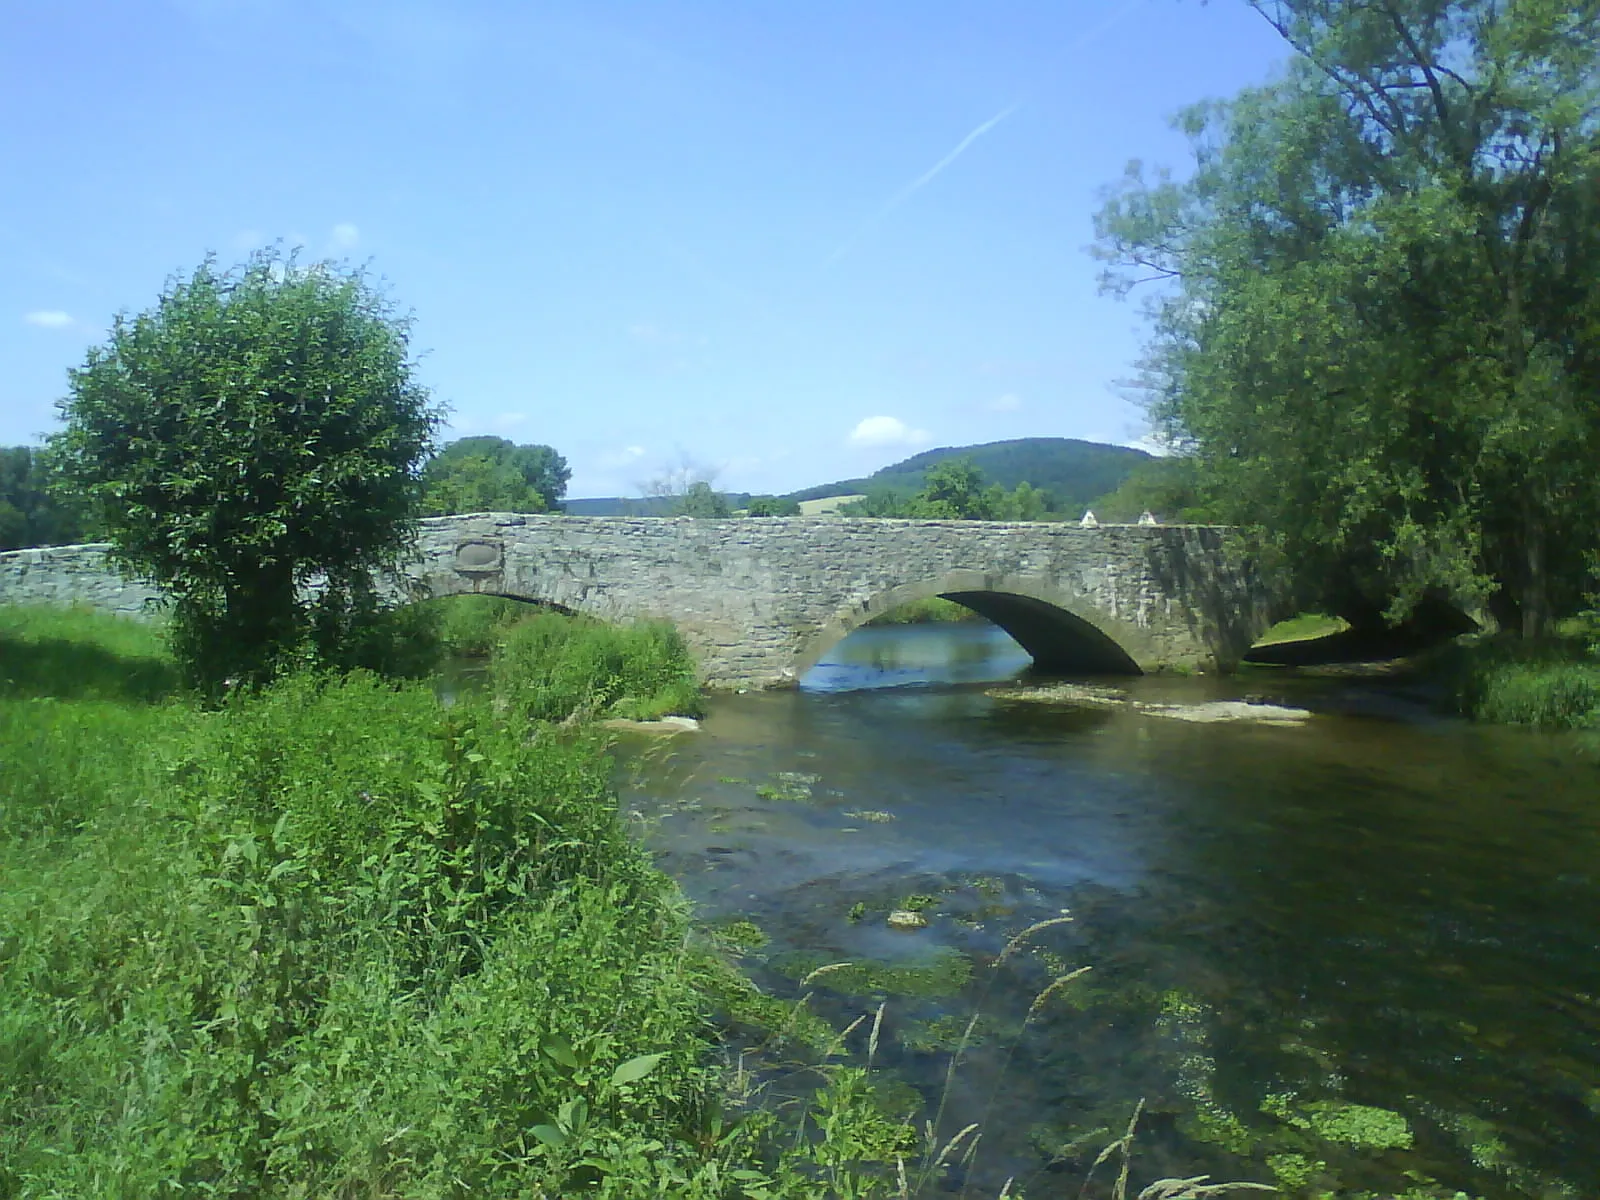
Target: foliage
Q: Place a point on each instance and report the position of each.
(930, 611)
(29, 514)
(1380, 339)
(953, 490)
(771, 506)
(492, 474)
(551, 667)
(1170, 488)
(256, 430)
(700, 500)
(470, 625)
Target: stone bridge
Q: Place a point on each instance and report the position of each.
(760, 600)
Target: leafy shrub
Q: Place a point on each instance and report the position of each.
(556, 668)
(470, 625)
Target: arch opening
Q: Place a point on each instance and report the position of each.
(1059, 642)
(1062, 635)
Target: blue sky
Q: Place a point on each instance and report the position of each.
(786, 242)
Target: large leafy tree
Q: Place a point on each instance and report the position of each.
(485, 474)
(255, 432)
(1380, 334)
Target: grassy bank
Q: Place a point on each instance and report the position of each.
(1552, 683)
(335, 938)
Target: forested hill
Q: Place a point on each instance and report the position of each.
(1074, 472)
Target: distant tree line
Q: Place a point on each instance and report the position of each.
(954, 489)
(30, 513)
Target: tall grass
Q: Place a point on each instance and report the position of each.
(1553, 683)
(555, 668)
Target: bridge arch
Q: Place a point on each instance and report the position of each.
(1063, 634)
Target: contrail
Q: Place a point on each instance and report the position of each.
(1115, 14)
(917, 184)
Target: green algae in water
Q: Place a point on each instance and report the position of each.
(944, 975)
(941, 1034)
(741, 935)
(793, 787)
(1358, 1125)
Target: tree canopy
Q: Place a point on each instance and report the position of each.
(1379, 338)
(492, 474)
(255, 432)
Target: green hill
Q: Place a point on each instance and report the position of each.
(1074, 472)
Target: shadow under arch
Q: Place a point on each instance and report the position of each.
(1063, 635)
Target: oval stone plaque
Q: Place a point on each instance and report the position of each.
(478, 556)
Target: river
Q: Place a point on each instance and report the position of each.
(1355, 955)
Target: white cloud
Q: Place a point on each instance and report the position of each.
(49, 318)
(886, 431)
(623, 457)
(345, 236)
(1010, 402)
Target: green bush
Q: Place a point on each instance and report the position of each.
(470, 625)
(555, 668)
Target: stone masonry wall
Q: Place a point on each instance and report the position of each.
(760, 599)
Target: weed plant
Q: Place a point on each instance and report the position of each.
(555, 668)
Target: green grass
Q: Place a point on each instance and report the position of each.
(1303, 627)
(1552, 683)
(929, 611)
(76, 654)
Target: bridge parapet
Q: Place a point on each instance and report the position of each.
(761, 599)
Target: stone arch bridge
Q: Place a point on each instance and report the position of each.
(760, 600)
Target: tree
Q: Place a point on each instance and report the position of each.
(1380, 339)
(256, 432)
(772, 506)
(29, 514)
(952, 489)
(487, 474)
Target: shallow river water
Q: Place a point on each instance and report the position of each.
(1357, 955)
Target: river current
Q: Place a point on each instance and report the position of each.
(1357, 955)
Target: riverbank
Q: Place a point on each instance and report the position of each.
(338, 937)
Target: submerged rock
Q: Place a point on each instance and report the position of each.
(664, 725)
(1228, 710)
(1062, 693)
(1206, 712)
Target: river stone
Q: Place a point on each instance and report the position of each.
(666, 725)
(1228, 710)
(905, 918)
(1062, 693)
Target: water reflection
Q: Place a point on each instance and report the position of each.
(888, 656)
